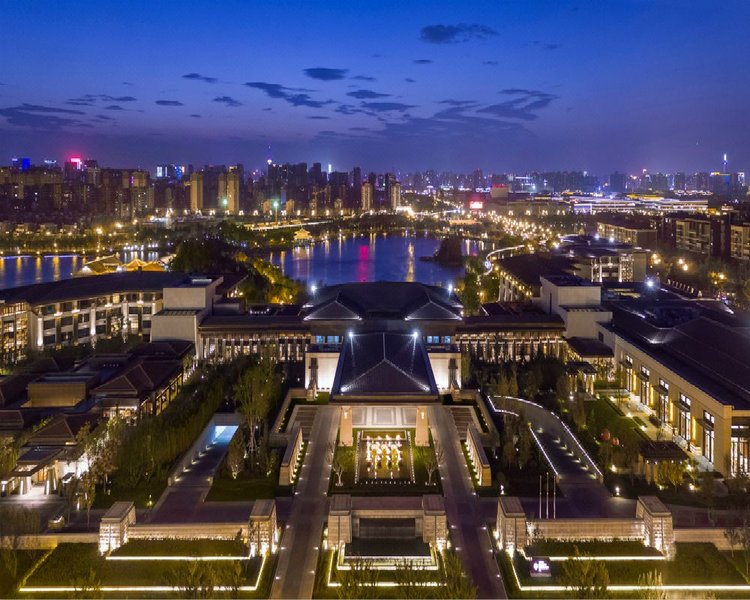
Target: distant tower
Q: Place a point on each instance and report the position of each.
(367, 193)
(395, 195)
(196, 192)
(725, 164)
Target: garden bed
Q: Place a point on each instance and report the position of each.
(174, 547)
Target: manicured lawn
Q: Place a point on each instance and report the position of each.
(593, 548)
(696, 564)
(182, 548)
(141, 495)
(247, 486)
(69, 564)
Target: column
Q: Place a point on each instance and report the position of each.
(422, 437)
(345, 428)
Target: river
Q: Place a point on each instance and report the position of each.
(375, 257)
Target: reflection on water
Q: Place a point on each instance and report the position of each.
(373, 257)
(25, 270)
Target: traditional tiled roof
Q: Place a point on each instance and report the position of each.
(396, 300)
(372, 364)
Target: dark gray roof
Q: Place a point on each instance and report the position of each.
(373, 364)
(398, 300)
(709, 349)
(89, 287)
(589, 347)
(528, 268)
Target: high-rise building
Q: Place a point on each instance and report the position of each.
(617, 182)
(395, 195)
(229, 190)
(196, 192)
(367, 195)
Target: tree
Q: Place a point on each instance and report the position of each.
(733, 536)
(432, 462)
(509, 451)
(525, 443)
(360, 581)
(453, 580)
(651, 586)
(255, 395)
(744, 538)
(88, 493)
(193, 579)
(236, 454)
(513, 382)
(562, 389)
(409, 584)
(8, 457)
(338, 465)
(530, 385)
(88, 586)
(16, 522)
(586, 578)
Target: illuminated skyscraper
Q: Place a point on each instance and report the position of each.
(395, 195)
(367, 194)
(196, 192)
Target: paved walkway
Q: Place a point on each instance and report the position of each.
(469, 532)
(299, 546)
(181, 501)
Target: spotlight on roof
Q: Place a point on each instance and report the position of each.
(450, 289)
(351, 334)
(596, 236)
(415, 334)
(611, 240)
(313, 288)
(650, 283)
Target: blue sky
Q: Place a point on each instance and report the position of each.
(407, 85)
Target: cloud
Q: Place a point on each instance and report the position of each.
(228, 101)
(410, 80)
(544, 45)
(325, 73)
(363, 78)
(422, 61)
(387, 106)
(89, 99)
(294, 96)
(552, 46)
(199, 77)
(113, 107)
(36, 116)
(455, 34)
(105, 118)
(169, 103)
(117, 98)
(366, 94)
(126, 83)
(524, 104)
(318, 117)
(490, 62)
(195, 116)
(464, 103)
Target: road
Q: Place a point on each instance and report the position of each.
(469, 533)
(300, 542)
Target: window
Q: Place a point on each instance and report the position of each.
(740, 449)
(683, 420)
(446, 339)
(644, 386)
(663, 408)
(708, 436)
(319, 339)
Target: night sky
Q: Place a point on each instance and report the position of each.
(401, 85)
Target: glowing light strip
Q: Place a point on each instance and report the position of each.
(575, 439)
(632, 588)
(606, 558)
(146, 588)
(167, 558)
(546, 456)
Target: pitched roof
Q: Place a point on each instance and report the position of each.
(372, 364)
(397, 300)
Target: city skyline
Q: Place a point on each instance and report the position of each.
(572, 86)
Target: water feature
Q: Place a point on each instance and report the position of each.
(27, 269)
(375, 257)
